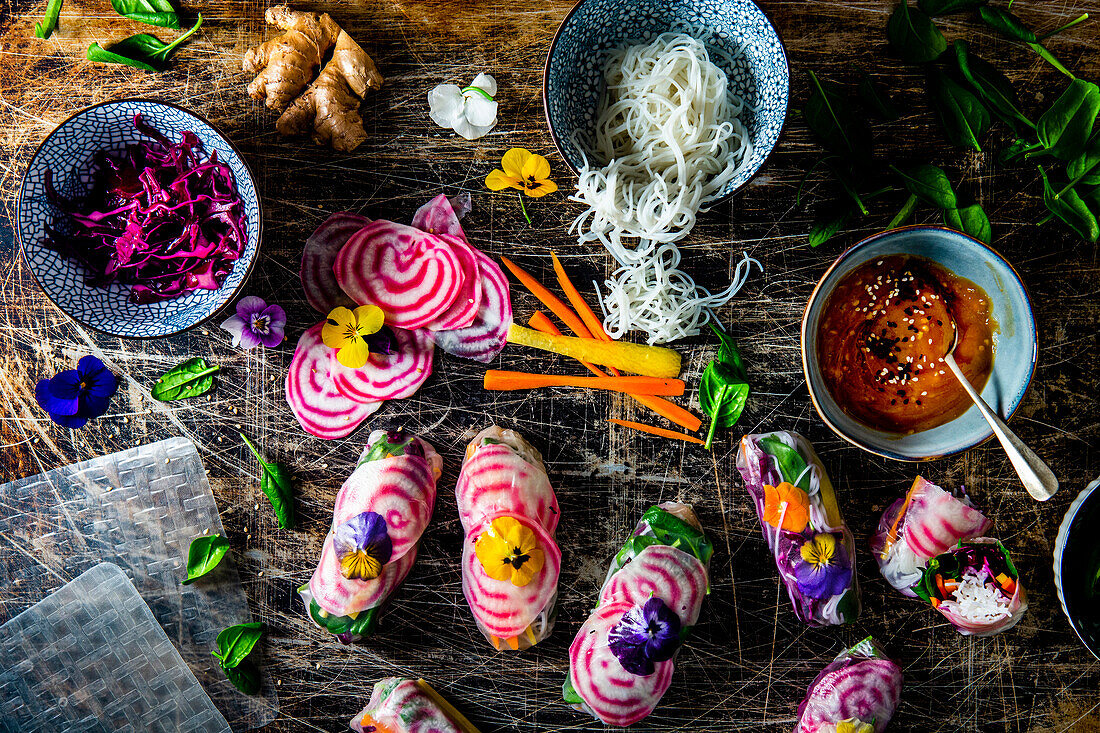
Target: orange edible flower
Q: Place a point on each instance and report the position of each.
(789, 502)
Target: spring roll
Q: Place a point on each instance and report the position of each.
(510, 561)
(927, 522)
(976, 587)
(380, 513)
(622, 659)
(800, 518)
(399, 705)
(856, 693)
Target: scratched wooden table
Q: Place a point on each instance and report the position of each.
(749, 661)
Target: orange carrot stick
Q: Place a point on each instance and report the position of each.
(595, 327)
(551, 301)
(665, 408)
(657, 431)
(497, 379)
(892, 535)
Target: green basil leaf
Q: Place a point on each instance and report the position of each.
(203, 555)
(964, 117)
(45, 27)
(826, 228)
(877, 100)
(792, 466)
(729, 354)
(946, 7)
(237, 642)
(277, 487)
(992, 86)
(1007, 24)
(1070, 208)
(192, 378)
(930, 184)
(245, 677)
(722, 395)
(970, 220)
(103, 56)
(150, 12)
(828, 116)
(1065, 128)
(913, 35)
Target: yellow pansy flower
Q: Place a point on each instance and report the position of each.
(853, 725)
(346, 330)
(523, 171)
(509, 551)
(820, 550)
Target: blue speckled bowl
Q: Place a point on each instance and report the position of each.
(573, 81)
(69, 152)
(1015, 344)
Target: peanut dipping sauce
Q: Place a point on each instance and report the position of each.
(883, 335)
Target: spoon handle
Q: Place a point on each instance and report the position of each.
(1038, 479)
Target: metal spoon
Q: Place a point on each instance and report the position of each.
(1038, 479)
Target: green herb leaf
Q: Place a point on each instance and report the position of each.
(1085, 168)
(946, 7)
(277, 487)
(150, 12)
(141, 51)
(1065, 128)
(877, 100)
(826, 228)
(237, 642)
(245, 677)
(930, 184)
(722, 395)
(1071, 209)
(383, 448)
(103, 56)
(729, 354)
(45, 27)
(964, 117)
(827, 115)
(792, 466)
(1007, 24)
(913, 35)
(189, 379)
(970, 220)
(362, 625)
(203, 555)
(992, 86)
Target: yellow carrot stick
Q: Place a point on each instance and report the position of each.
(498, 379)
(657, 431)
(551, 301)
(449, 710)
(650, 361)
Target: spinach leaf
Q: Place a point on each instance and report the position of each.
(245, 677)
(964, 117)
(103, 56)
(826, 228)
(1068, 206)
(992, 86)
(914, 36)
(792, 466)
(946, 7)
(141, 51)
(1085, 168)
(189, 379)
(722, 395)
(827, 115)
(1007, 24)
(236, 643)
(970, 220)
(276, 485)
(150, 12)
(930, 184)
(1065, 128)
(203, 555)
(362, 625)
(877, 100)
(45, 27)
(729, 354)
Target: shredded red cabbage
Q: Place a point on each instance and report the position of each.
(159, 218)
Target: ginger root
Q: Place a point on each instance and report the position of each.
(284, 65)
(331, 103)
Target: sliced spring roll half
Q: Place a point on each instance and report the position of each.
(622, 659)
(801, 520)
(399, 705)
(976, 587)
(379, 515)
(927, 522)
(510, 560)
(857, 692)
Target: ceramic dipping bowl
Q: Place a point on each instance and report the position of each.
(1077, 566)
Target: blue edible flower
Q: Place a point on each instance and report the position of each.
(75, 396)
(647, 633)
(363, 546)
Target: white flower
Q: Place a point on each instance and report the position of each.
(471, 112)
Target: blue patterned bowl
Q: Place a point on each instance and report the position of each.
(69, 152)
(573, 79)
(1076, 564)
(1015, 345)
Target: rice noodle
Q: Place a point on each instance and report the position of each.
(669, 139)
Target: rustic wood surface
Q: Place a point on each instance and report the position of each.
(749, 661)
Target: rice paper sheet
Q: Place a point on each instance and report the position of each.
(861, 687)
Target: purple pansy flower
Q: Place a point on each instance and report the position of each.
(647, 633)
(822, 567)
(256, 323)
(74, 396)
(362, 546)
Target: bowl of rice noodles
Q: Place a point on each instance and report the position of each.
(663, 109)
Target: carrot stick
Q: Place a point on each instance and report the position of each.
(657, 431)
(892, 535)
(497, 379)
(649, 361)
(459, 719)
(595, 327)
(551, 301)
(665, 408)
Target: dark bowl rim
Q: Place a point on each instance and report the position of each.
(709, 204)
(1069, 521)
(248, 169)
(817, 294)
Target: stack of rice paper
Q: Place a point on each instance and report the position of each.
(434, 289)
(622, 659)
(400, 705)
(857, 692)
(801, 520)
(928, 546)
(380, 513)
(510, 560)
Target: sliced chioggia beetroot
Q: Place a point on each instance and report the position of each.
(488, 334)
(340, 596)
(664, 572)
(313, 398)
(497, 480)
(388, 376)
(319, 254)
(463, 310)
(440, 216)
